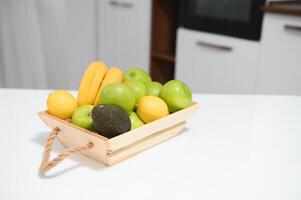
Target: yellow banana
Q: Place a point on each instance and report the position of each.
(114, 75)
(91, 82)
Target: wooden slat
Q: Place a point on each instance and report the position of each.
(281, 10)
(144, 144)
(164, 57)
(146, 130)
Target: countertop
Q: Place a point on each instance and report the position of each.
(234, 147)
(283, 7)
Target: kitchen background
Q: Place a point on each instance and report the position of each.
(215, 46)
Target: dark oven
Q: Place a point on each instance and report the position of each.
(237, 18)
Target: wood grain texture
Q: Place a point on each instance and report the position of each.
(145, 144)
(146, 130)
(281, 10)
(163, 39)
(163, 57)
(114, 150)
(74, 136)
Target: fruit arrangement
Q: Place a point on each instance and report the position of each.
(110, 102)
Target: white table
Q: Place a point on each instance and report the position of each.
(235, 147)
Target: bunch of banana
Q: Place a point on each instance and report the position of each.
(96, 77)
(114, 75)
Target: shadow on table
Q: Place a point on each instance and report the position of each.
(82, 161)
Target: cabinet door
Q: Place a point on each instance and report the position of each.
(211, 63)
(68, 40)
(280, 63)
(124, 33)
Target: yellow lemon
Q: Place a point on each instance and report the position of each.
(61, 104)
(151, 108)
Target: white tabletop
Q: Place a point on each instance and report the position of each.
(234, 147)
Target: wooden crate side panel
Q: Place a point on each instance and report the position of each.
(144, 144)
(135, 135)
(72, 136)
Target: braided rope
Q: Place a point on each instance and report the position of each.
(46, 165)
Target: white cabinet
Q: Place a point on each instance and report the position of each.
(68, 40)
(211, 63)
(280, 63)
(124, 32)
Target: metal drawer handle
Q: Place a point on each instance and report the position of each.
(214, 46)
(292, 27)
(121, 4)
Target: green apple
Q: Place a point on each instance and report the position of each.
(82, 117)
(138, 75)
(135, 121)
(154, 88)
(137, 87)
(176, 94)
(118, 94)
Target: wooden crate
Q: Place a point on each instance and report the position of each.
(114, 150)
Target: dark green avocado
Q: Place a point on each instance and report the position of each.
(110, 120)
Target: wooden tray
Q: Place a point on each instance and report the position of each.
(114, 150)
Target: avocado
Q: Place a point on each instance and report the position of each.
(110, 120)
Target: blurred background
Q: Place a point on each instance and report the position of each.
(215, 46)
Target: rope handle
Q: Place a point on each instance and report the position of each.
(46, 165)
